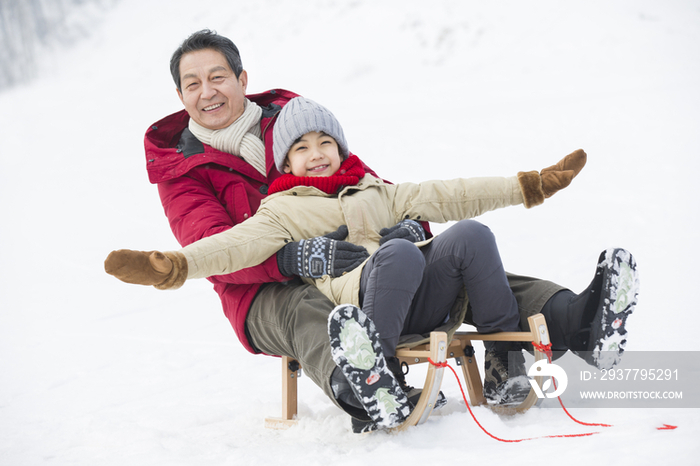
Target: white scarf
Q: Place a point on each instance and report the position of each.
(241, 138)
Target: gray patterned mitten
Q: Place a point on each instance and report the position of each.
(322, 255)
(407, 229)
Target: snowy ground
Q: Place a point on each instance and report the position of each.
(95, 372)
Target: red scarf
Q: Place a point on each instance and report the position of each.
(348, 174)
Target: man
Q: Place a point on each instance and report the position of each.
(213, 162)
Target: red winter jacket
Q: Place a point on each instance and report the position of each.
(205, 191)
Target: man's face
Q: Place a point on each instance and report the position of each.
(211, 94)
(313, 154)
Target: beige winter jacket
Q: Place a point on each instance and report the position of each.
(306, 212)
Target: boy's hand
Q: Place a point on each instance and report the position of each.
(536, 187)
(323, 255)
(407, 229)
(162, 270)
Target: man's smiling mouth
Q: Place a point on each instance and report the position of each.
(212, 107)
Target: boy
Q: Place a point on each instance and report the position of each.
(402, 289)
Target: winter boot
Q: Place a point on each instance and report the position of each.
(617, 298)
(360, 426)
(592, 323)
(413, 393)
(506, 381)
(346, 398)
(356, 349)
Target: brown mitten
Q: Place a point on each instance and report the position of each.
(537, 187)
(163, 270)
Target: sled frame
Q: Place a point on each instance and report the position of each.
(439, 350)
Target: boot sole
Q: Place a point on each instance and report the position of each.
(356, 349)
(618, 300)
(360, 427)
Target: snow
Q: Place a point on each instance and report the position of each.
(94, 371)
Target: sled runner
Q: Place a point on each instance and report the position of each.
(439, 350)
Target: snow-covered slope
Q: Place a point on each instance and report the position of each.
(93, 371)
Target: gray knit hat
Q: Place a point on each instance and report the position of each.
(301, 116)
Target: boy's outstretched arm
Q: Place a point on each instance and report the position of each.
(537, 187)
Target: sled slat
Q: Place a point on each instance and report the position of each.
(289, 397)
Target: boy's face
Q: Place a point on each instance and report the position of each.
(313, 154)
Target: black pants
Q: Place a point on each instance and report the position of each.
(406, 290)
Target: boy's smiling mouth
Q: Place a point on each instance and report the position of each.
(319, 168)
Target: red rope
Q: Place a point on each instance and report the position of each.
(666, 427)
(547, 350)
(439, 364)
(444, 364)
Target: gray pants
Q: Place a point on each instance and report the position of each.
(291, 319)
(406, 290)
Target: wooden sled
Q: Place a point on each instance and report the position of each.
(439, 350)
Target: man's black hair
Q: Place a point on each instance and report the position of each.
(206, 39)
